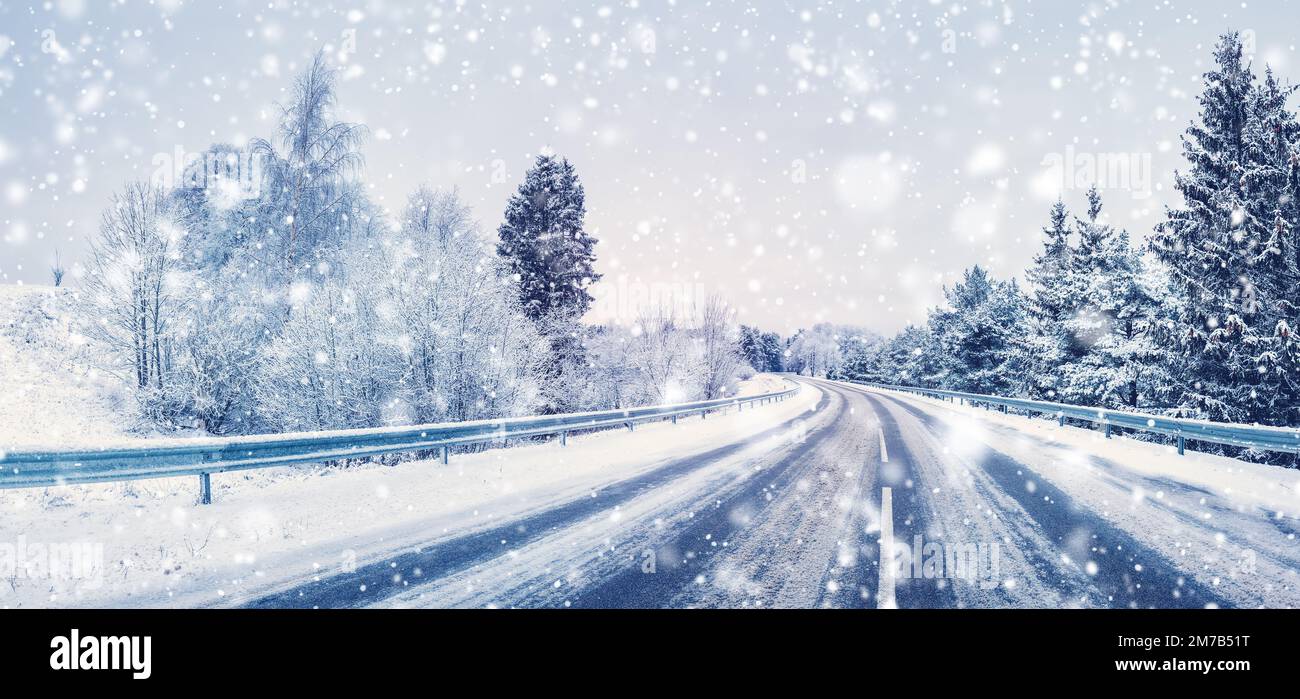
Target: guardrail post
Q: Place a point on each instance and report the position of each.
(631, 427)
(564, 439)
(1060, 420)
(1182, 444)
(1108, 430)
(205, 489)
(674, 419)
(445, 454)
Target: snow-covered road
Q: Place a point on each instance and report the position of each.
(983, 510)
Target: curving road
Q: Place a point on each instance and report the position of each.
(979, 518)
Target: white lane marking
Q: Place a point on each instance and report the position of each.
(885, 591)
(884, 451)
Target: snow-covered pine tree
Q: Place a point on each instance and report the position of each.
(772, 349)
(978, 336)
(858, 347)
(1050, 304)
(750, 343)
(761, 350)
(1268, 305)
(545, 244)
(901, 359)
(1224, 249)
(551, 257)
(1201, 243)
(1116, 322)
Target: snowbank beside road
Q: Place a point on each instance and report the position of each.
(49, 391)
(761, 383)
(1260, 485)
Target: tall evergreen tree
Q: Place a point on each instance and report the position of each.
(772, 349)
(1268, 305)
(545, 245)
(858, 348)
(1230, 250)
(1116, 321)
(761, 350)
(1052, 301)
(977, 336)
(902, 359)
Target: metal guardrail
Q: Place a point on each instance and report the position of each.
(203, 457)
(1251, 436)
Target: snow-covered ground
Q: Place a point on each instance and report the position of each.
(761, 383)
(49, 392)
(272, 526)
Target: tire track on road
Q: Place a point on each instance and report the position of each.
(913, 515)
(753, 545)
(1122, 571)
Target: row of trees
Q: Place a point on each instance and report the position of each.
(1092, 328)
(297, 304)
(1197, 322)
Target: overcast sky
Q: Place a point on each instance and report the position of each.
(835, 161)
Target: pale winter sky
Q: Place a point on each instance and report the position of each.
(832, 161)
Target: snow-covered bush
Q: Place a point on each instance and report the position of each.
(422, 325)
(663, 358)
